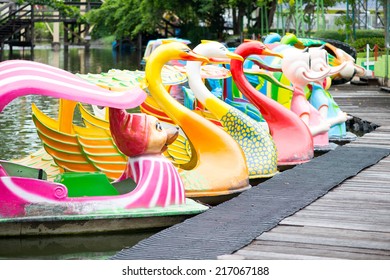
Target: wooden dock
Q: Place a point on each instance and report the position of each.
(352, 221)
(334, 207)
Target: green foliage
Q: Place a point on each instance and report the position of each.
(41, 32)
(374, 36)
(115, 17)
(128, 18)
(58, 5)
(360, 44)
(329, 34)
(363, 33)
(344, 23)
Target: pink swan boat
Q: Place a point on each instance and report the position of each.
(292, 137)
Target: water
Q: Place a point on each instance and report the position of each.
(19, 138)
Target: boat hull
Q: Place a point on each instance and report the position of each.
(110, 222)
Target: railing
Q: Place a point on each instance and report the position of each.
(16, 19)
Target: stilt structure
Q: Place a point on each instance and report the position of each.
(17, 23)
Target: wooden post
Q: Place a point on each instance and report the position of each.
(66, 38)
(56, 45)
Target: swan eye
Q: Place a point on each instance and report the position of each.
(158, 126)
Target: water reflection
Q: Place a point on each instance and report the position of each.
(79, 60)
(18, 134)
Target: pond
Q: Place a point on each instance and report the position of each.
(19, 138)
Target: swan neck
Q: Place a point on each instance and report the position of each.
(195, 81)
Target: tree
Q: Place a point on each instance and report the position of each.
(116, 17)
(302, 12)
(58, 5)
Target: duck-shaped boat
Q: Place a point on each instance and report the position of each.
(296, 67)
(322, 100)
(336, 58)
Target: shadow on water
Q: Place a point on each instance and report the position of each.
(76, 247)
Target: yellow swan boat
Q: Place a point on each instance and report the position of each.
(217, 166)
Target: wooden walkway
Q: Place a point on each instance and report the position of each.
(353, 220)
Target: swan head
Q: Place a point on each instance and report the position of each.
(253, 47)
(216, 52)
(174, 51)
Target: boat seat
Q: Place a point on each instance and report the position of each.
(17, 170)
(125, 186)
(86, 184)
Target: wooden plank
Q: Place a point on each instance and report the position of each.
(344, 214)
(334, 232)
(319, 246)
(258, 255)
(345, 195)
(324, 240)
(335, 224)
(312, 250)
(355, 209)
(366, 189)
(347, 203)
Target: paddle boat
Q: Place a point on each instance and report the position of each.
(292, 137)
(151, 192)
(252, 136)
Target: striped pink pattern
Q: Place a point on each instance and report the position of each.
(158, 185)
(19, 78)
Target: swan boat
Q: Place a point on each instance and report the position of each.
(151, 192)
(292, 137)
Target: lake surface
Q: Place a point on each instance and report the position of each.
(19, 138)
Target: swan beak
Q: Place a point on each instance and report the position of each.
(233, 55)
(192, 56)
(267, 51)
